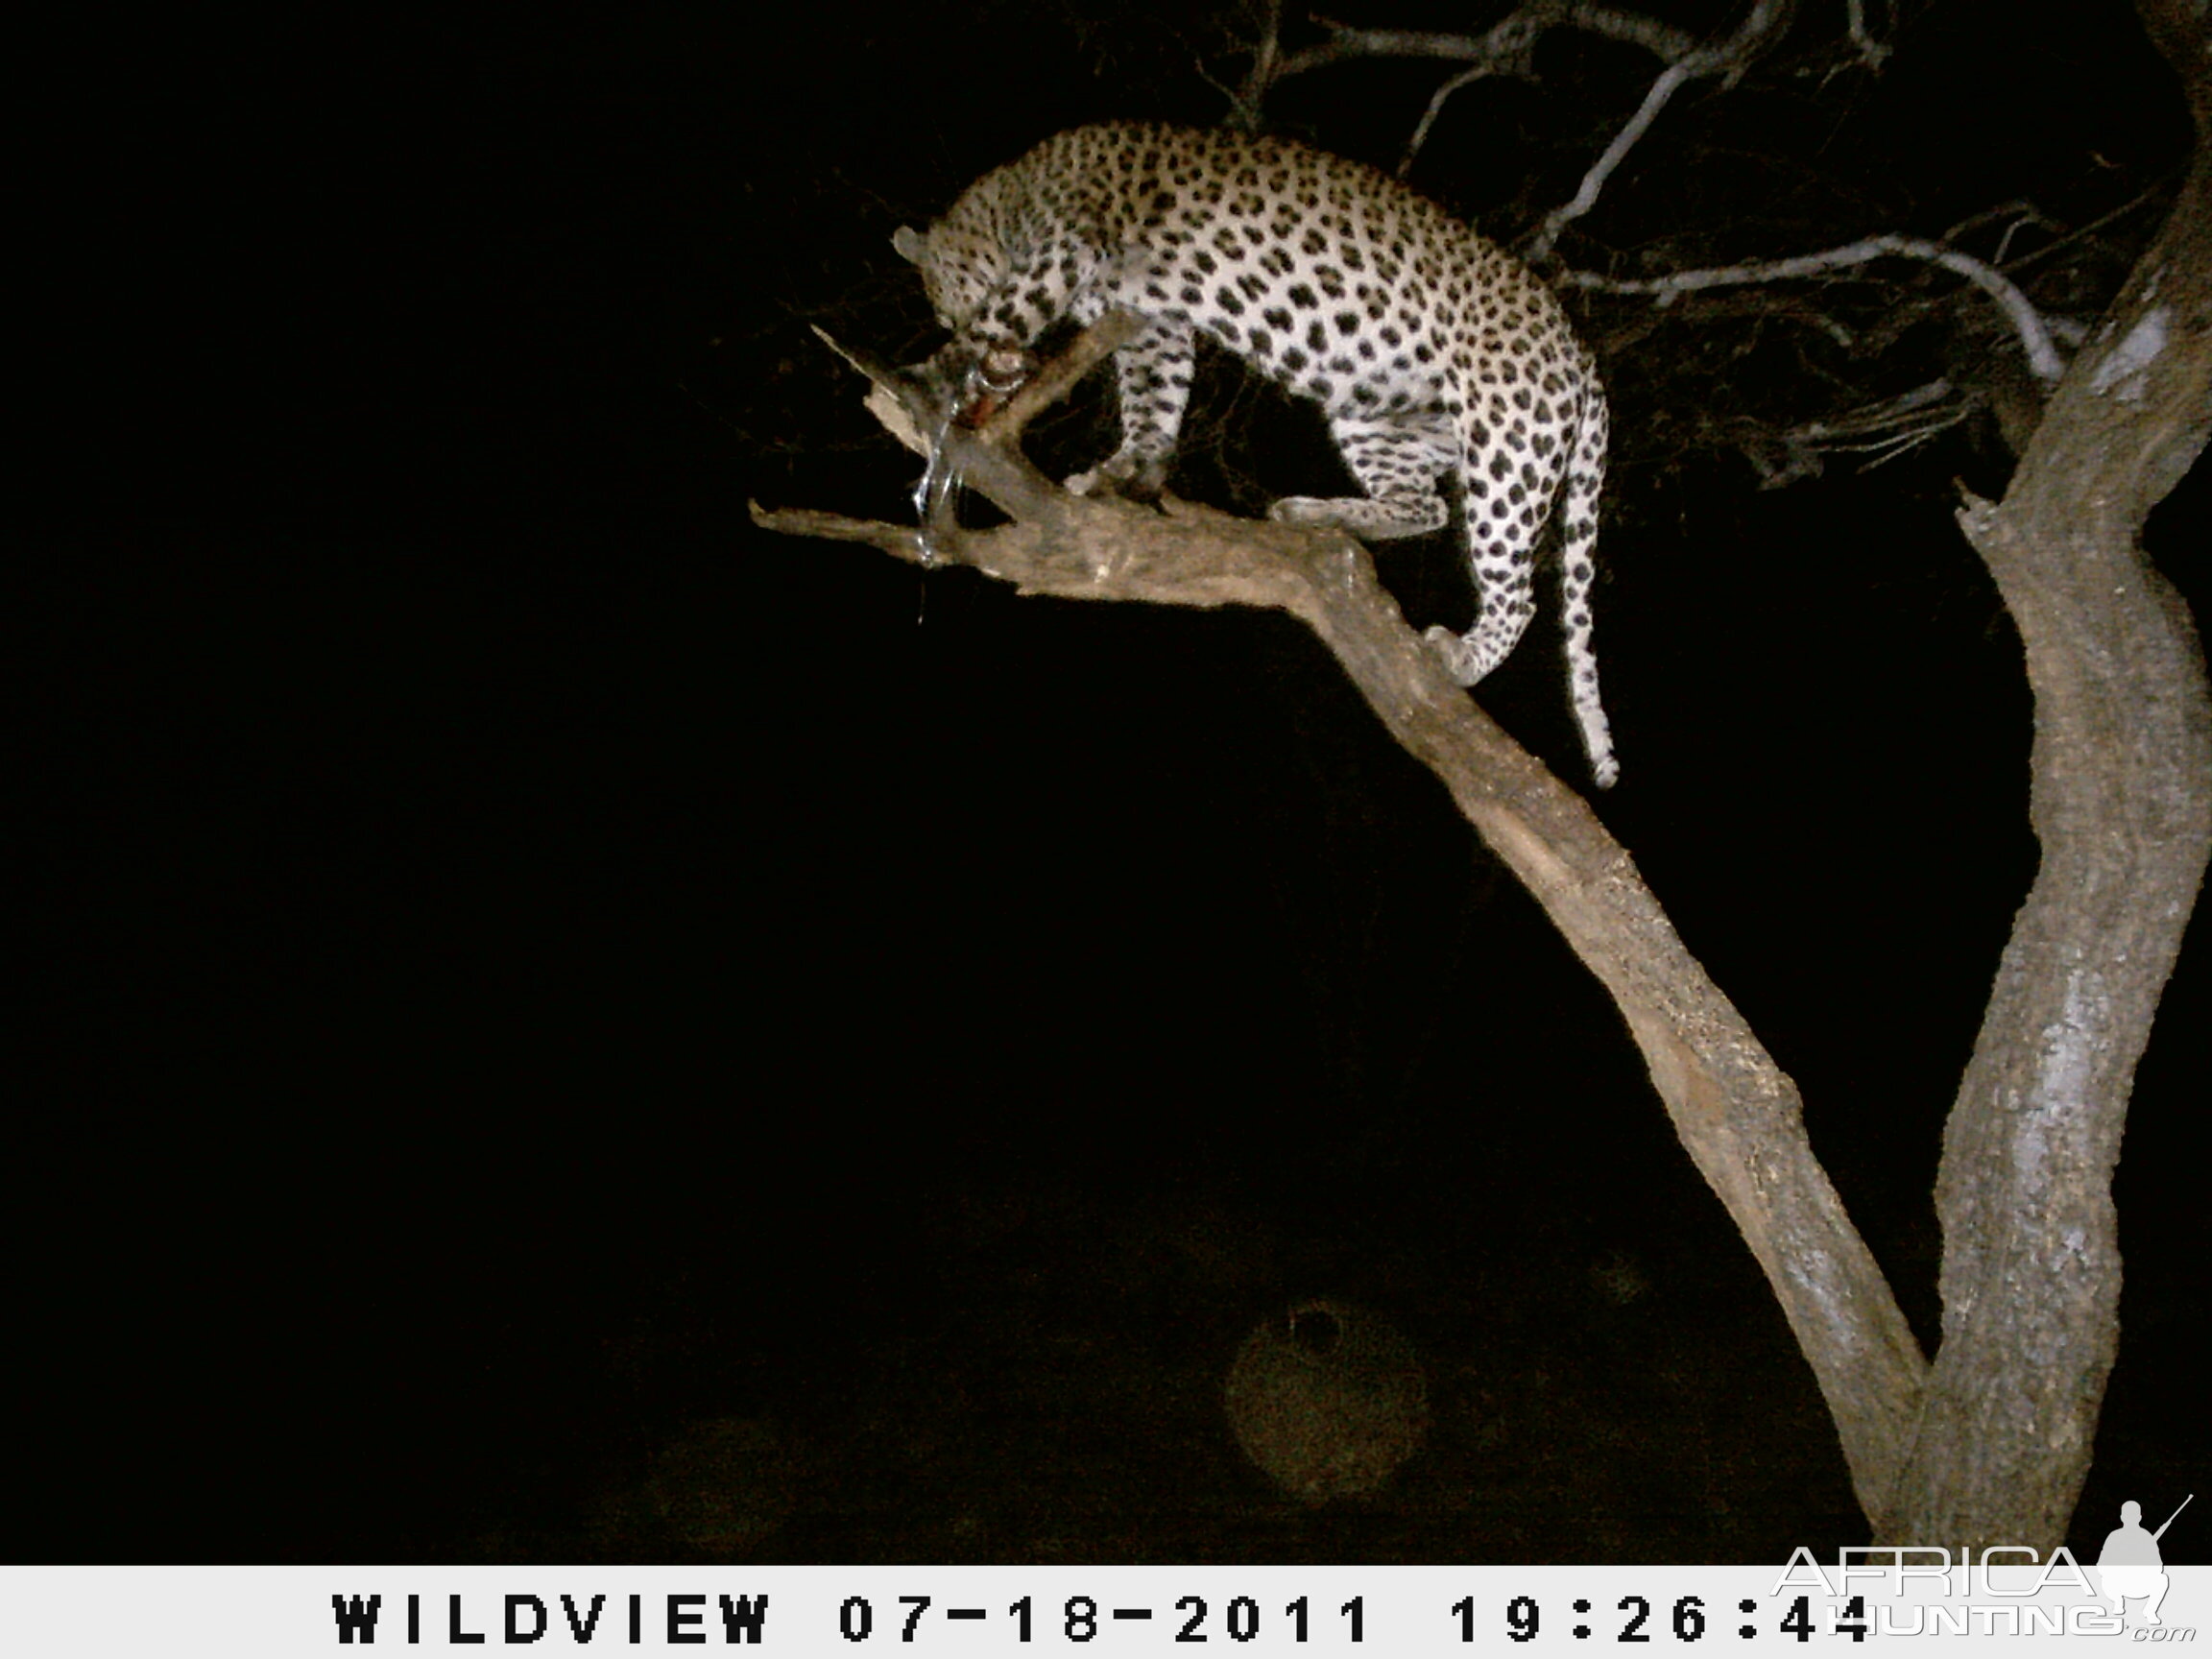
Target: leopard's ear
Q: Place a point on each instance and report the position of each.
(912, 245)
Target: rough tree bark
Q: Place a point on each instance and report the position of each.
(1992, 1445)
(2121, 800)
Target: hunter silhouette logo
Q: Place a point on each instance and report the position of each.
(2129, 1565)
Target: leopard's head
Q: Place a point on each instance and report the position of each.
(960, 266)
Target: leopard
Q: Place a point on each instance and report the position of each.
(1433, 354)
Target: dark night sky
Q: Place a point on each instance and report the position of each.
(522, 959)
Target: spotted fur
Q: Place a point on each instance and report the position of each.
(1434, 352)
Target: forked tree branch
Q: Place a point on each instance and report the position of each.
(1762, 26)
(1734, 1111)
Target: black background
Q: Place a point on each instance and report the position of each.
(519, 960)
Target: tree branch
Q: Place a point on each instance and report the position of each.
(1872, 52)
(1436, 102)
(1764, 24)
(1266, 61)
(2027, 322)
(1734, 1111)
(1883, 431)
(1507, 48)
(1504, 44)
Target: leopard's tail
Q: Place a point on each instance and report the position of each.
(1577, 569)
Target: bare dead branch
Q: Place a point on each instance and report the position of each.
(1663, 41)
(1244, 107)
(1502, 46)
(2034, 333)
(1872, 52)
(1762, 25)
(2088, 233)
(2021, 214)
(1671, 80)
(1504, 49)
(1436, 102)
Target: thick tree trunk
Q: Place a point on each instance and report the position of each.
(2121, 804)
